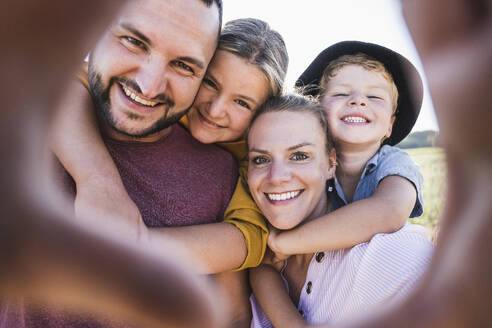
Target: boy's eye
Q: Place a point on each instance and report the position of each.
(340, 94)
(374, 97)
(210, 83)
(132, 42)
(242, 103)
(258, 160)
(184, 67)
(299, 156)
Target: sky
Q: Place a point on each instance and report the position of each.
(309, 26)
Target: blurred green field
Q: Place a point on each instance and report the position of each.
(433, 168)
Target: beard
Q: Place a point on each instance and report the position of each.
(102, 102)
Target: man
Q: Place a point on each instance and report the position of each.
(40, 242)
(144, 74)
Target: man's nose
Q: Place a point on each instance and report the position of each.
(279, 173)
(152, 77)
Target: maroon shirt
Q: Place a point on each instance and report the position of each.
(175, 181)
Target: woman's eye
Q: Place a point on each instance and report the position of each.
(242, 103)
(133, 43)
(258, 160)
(181, 65)
(299, 156)
(210, 83)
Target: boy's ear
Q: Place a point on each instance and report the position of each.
(390, 128)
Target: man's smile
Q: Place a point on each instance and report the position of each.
(138, 99)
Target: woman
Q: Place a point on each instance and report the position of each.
(248, 67)
(290, 164)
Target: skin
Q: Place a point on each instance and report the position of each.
(40, 239)
(458, 288)
(354, 93)
(151, 62)
(455, 48)
(225, 103)
(287, 158)
(358, 105)
(276, 169)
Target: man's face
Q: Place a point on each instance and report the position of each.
(146, 70)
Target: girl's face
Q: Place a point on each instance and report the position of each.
(358, 104)
(231, 91)
(288, 167)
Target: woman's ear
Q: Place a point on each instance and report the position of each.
(332, 162)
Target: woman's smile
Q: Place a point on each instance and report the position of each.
(283, 197)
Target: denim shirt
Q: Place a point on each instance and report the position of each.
(387, 161)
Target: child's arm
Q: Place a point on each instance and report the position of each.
(271, 294)
(386, 210)
(77, 143)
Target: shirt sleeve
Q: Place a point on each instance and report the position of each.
(397, 162)
(247, 217)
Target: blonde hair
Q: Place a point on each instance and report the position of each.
(366, 62)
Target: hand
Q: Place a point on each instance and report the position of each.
(271, 260)
(273, 244)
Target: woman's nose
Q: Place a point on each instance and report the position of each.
(279, 173)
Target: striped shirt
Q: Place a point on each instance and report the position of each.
(344, 283)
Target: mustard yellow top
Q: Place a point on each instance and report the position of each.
(242, 210)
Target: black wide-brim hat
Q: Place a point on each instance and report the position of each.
(405, 75)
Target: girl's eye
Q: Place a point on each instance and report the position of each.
(340, 94)
(299, 156)
(210, 83)
(258, 160)
(374, 97)
(181, 65)
(134, 42)
(242, 103)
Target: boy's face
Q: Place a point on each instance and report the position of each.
(358, 103)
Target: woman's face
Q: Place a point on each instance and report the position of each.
(288, 167)
(231, 91)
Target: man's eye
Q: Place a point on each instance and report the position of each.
(184, 67)
(258, 160)
(210, 83)
(242, 103)
(299, 156)
(134, 42)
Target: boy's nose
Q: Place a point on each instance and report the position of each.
(357, 100)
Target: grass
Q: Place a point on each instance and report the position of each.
(433, 168)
